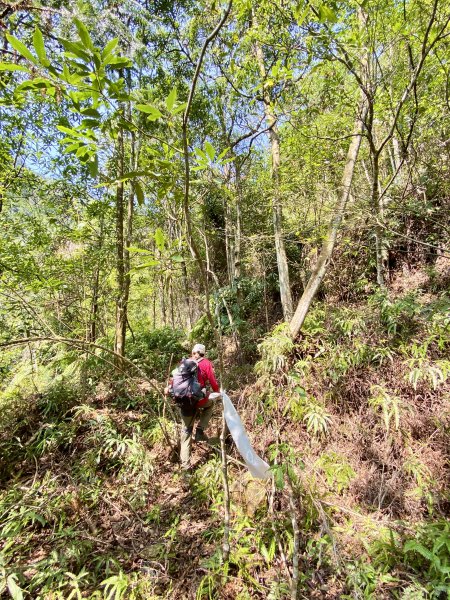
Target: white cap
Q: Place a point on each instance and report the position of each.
(199, 348)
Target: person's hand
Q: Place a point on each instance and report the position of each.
(166, 390)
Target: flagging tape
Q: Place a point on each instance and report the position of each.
(256, 465)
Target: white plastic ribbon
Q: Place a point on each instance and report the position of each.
(256, 465)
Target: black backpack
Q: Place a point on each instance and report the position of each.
(186, 390)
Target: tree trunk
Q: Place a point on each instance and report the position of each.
(238, 223)
(229, 242)
(330, 240)
(93, 317)
(121, 310)
(277, 213)
(186, 296)
(378, 208)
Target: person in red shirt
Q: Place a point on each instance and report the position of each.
(205, 406)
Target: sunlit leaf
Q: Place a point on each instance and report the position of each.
(160, 239)
(154, 113)
(110, 46)
(84, 34)
(75, 48)
(93, 166)
(15, 591)
(21, 48)
(12, 67)
(327, 14)
(210, 151)
(171, 99)
(38, 43)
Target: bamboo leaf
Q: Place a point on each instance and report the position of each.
(13, 588)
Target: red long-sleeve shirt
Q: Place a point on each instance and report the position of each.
(206, 375)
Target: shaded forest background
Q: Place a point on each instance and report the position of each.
(270, 179)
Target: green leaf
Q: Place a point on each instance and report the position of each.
(33, 84)
(413, 546)
(150, 263)
(21, 48)
(12, 67)
(299, 14)
(75, 48)
(91, 112)
(222, 154)
(69, 131)
(327, 14)
(110, 46)
(160, 239)
(210, 151)
(119, 62)
(13, 588)
(301, 392)
(177, 258)
(200, 154)
(93, 166)
(154, 113)
(38, 43)
(139, 193)
(90, 123)
(179, 108)
(171, 99)
(279, 478)
(84, 34)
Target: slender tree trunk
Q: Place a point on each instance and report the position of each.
(330, 240)
(238, 222)
(121, 314)
(378, 208)
(162, 300)
(171, 303)
(124, 233)
(186, 296)
(229, 243)
(94, 306)
(277, 213)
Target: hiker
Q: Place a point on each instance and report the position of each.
(198, 404)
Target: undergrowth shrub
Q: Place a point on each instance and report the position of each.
(154, 350)
(275, 350)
